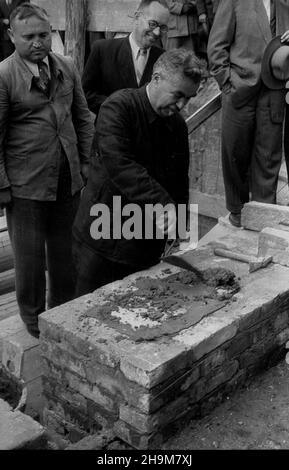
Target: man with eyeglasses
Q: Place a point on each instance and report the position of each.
(127, 62)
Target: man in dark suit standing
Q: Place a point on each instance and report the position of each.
(6, 8)
(127, 62)
(252, 115)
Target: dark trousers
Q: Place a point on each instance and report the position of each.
(40, 234)
(94, 271)
(251, 151)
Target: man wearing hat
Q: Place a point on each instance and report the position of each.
(252, 114)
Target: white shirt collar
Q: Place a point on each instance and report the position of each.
(134, 47)
(34, 67)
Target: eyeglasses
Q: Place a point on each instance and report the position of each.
(154, 24)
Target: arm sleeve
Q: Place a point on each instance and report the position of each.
(115, 146)
(175, 7)
(201, 7)
(82, 120)
(91, 80)
(220, 40)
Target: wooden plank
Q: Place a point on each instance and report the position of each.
(209, 205)
(56, 11)
(103, 15)
(57, 44)
(111, 15)
(75, 26)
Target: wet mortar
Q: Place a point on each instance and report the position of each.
(164, 307)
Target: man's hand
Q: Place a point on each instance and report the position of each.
(84, 172)
(188, 7)
(5, 197)
(167, 223)
(204, 24)
(285, 36)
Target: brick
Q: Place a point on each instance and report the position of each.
(215, 359)
(92, 392)
(257, 216)
(20, 355)
(10, 326)
(149, 364)
(76, 345)
(258, 353)
(35, 400)
(281, 321)
(61, 357)
(207, 384)
(261, 330)
(56, 423)
(95, 442)
(208, 335)
(269, 309)
(177, 407)
(282, 337)
(239, 344)
(137, 440)
(18, 431)
(274, 242)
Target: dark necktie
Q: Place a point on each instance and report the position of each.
(273, 18)
(43, 81)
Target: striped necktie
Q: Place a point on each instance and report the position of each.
(44, 81)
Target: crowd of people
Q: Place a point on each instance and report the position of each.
(59, 165)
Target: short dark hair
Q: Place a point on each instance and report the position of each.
(146, 3)
(27, 10)
(182, 62)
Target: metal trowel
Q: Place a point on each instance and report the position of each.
(182, 263)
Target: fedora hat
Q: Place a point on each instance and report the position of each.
(275, 64)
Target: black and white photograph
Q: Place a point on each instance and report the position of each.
(144, 229)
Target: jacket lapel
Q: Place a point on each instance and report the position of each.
(262, 20)
(125, 64)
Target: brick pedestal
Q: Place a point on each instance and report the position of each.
(98, 376)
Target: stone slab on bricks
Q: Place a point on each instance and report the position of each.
(19, 351)
(274, 242)
(19, 431)
(154, 365)
(257, 216)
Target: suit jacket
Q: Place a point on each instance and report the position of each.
(36, 129)
(143, 159)
(183, 25)
(238, 38)
(110, 68)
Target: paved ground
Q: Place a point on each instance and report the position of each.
(256, 417)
